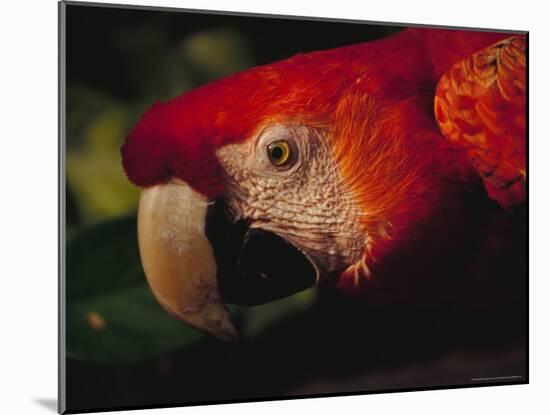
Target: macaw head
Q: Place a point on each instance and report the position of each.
(309, 170)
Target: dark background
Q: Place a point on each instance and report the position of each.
(123, 350)
(105, 45)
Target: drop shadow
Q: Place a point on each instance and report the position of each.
(48, 403)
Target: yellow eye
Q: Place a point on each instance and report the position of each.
(279, 152)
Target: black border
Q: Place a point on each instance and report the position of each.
(62, 407)
(282, 16)
(61, 235)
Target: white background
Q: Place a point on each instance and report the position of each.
(28, 215)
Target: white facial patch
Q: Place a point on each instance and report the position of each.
(306, 203)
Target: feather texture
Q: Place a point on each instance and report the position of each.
(480, 105)
(376, 102)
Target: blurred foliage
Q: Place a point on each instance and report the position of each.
(99, 123)
(97, 127)
(259, 318)
(217, 53)
(111, 312)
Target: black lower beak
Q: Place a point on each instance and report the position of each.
(255, 266)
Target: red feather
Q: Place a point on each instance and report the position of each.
(178, 138)
(376, 101)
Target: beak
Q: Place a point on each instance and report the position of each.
(196, 258)
(178, 259)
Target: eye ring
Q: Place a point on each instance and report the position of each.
(279, 153)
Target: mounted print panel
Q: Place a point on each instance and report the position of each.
(263, 207)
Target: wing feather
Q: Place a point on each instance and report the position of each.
(480, 105)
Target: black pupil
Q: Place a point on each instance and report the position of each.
(276, 153)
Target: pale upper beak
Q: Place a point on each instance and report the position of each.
(196, 257)
(178, 259)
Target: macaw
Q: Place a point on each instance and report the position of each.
(390, 170)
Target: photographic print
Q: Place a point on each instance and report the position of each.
(262, 207)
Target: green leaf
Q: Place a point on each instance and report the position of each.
(111, 313)
(259, 318)
(97, 128)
